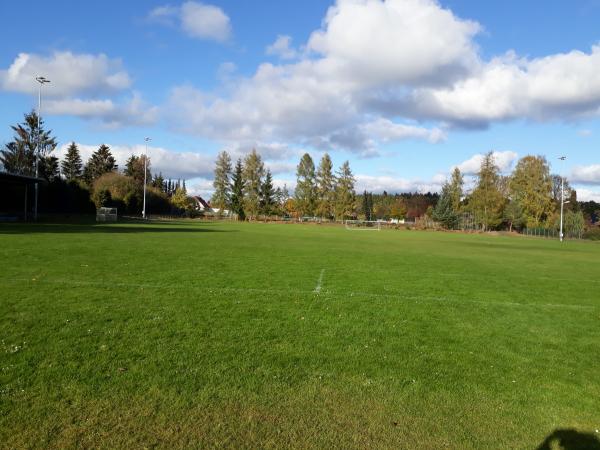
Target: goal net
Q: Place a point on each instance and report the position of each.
(365, 225)
(106, 214)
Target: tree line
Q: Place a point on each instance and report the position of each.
(73, 186)
(247, 190)
(528, 197)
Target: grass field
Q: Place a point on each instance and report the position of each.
(184, 335)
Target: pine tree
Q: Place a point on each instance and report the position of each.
(444, 211)
(159, 182)
(344, 192)
(237, 191)
(100, 162)
(19, 155)
(267, 195)
(486, 201)
(254, 171)
(134, 168)
(455, 189)
(325, 194)
(222, 195)
(305, 194)
(72, 164)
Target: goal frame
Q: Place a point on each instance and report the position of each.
(363, 225)
(106, 214)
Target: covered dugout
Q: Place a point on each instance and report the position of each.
(17, 196)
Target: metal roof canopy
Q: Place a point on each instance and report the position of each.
(25, 180)
(12, 177)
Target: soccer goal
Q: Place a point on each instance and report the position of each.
(363, 225)
(105, 214)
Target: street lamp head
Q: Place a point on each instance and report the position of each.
(147, 139)
(42, 80)
(562, 158)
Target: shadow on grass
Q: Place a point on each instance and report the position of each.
(108, 229)
(569, 439)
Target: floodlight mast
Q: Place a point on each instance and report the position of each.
(41, 80)
(562, 199)
(145, 170)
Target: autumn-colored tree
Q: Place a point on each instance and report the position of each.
(531, 187)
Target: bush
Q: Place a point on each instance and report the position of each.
(125, 193)
(592, 234)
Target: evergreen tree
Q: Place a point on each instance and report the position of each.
(325, 194)
(344, 192)
(237, 191)
(455, 189)
(184, 188)
(19, 155)
(72, 164)
(254, 171)
(486, 201)
(100, 162)
(444, 211)
(49, 168)
(305, 194)
(267, 195)
(222, 195)
(531, 187)
(159, 182)
(134, 168)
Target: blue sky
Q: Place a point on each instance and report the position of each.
(404, 89)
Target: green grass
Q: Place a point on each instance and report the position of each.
(179, 335)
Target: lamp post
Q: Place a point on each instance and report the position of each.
(145, 170)
(562, 199)
(41, 81)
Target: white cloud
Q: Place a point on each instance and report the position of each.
(587, 195)
(584, 133)
(133, 111)
(504, 161)
(396, 41)
(384, 130)
(378, 184)
(376, 70)
(172, 164)
(282, 48)
(586, 174)
(196, 19)
(69, 73)
(556, 87)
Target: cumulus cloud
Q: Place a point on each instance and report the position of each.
(133, 111)
(316, 100)
(562, 86)
(587, 195)
(504, 161)
(172, 164)
(375, 71)
(586, 174)
(69, 73)
(196, 19)
(378, 184)
(282, 48)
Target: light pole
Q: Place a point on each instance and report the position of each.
(42, 81)
(562, 198)
(145, 170)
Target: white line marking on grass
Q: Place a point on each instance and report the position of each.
(318, 287)
(391, 295)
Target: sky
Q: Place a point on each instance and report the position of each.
(405, 90)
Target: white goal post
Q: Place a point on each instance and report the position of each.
(363, 225)
(105, 214)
